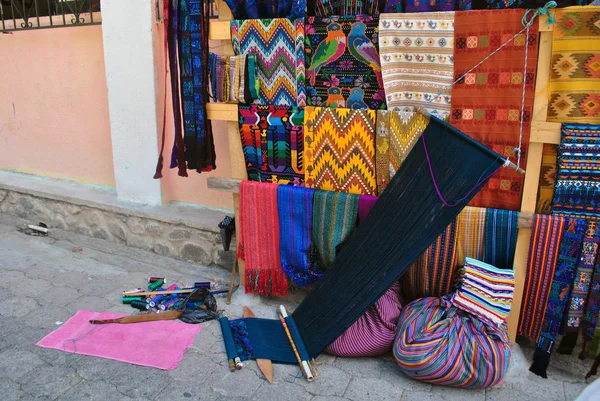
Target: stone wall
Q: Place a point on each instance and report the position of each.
(167, 239)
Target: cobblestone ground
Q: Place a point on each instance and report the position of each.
(46, 280)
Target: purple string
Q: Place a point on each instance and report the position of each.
(437, 189)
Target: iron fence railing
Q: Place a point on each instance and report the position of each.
(33, 14)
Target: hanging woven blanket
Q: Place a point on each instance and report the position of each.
(440, 344)
(334, 217)
(471, 234)
(433, 273)
(327, 8)
(273, 143)
(339, 150)
(547, 179)
(577, 191)
(279, 48)
(397, 133)
(414, 6)
(374, 332)
(582, 283)
(259, 239)
(568, 255)
(501, 227)
(417, 59)
(546, 234)
(487, 102)
(254, 9)
(342, 62)
(575, 69)
(295, 206)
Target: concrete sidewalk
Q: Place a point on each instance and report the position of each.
(45, 280)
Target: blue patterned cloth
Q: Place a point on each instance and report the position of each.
(501, 228)
(257, 9)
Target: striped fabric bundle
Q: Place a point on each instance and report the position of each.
(485, 291)
(259, 239)
(546, 233)
(440, 344)
(334, 217)
(374, 332)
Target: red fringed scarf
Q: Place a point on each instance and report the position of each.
(259, 239)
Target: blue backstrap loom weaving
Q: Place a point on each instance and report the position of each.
(441, 174)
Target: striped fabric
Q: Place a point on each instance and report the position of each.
(374, 332)
(546, 233)
(259, 239)
(440, 344)
(471, 230)
(485, 291)
(334, 216)
(501, 228)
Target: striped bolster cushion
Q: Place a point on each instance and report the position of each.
(440, 344)
(374, 332)
(485, 291)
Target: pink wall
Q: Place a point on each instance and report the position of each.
(53, 105)
(191, 189)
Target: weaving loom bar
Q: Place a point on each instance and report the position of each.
(533, 168)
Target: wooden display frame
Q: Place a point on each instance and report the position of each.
(541, 132)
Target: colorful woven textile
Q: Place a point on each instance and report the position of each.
(279, 48)
(273, 143)
(342, 62)
(581, 287)
(334, 216)
(559, 293)
(592, 308)
(234, 79)
(339, 151)
(471, 234)
(397, 133)
(575, 69)
(259, 220)
(485, 291)
(374, 332)
(412, 6)
(546, 233)
(326, 8)
(417, 59)
(547, 179)
(295, 206)
(254, 9)
(440, 344)
(432, 274)
(486, 104)
(501, 227)
(577, 191)
(365, 203)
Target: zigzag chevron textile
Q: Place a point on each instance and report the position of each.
(487, 102)
(339, 150)
(575, 69)
(273, 143)
(397, 133)
(417, 58)
(278, 44)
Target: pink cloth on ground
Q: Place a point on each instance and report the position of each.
(158, 344)
(374, 332)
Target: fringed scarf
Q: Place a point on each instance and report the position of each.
(471, 234)
(546, 233)
(501, 227)
(581, 287)
(259, 239)
(334, 218)
(295, 208)
(570, 245)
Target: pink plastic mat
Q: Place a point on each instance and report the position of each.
(159, 344)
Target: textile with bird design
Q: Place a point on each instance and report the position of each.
(342, 62)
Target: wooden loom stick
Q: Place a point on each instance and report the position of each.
(148, 293)
(303, 364)
(265, 365)
(170, 315)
